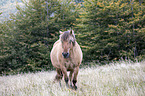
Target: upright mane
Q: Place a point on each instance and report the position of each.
(65, 36)
(68, 36)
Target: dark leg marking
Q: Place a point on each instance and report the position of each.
(66, 81)
(58, 76)
(74, 82)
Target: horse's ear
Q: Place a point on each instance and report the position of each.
(60, 32)
(72, 32)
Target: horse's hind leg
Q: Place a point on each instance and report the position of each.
(58, 76)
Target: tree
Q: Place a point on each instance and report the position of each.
(107, 27)
(35, 28)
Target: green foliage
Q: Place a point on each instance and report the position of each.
(111, 29)
(32, 32)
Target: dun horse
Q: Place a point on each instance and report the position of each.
(66, 55)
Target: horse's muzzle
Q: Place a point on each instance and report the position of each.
(65, 54)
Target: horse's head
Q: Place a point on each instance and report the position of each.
(68, 41)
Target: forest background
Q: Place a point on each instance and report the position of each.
(107, 30)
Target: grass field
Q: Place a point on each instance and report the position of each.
(115, 79)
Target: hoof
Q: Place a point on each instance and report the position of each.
(60, 83)
(75, 88)
(67, 85)
(71, 86)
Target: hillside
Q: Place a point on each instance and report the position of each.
(7, 7)
(115, 79)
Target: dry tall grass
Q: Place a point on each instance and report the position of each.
(116, 79)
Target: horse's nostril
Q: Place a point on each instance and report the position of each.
(65, 55)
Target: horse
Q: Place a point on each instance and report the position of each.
(66, 55)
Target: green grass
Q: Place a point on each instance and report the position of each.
(115, 79)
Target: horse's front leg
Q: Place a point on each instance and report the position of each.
(76, 70)
(71, 77)
(64, 71)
